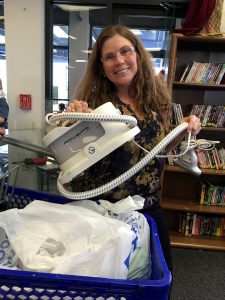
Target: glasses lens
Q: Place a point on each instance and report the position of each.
(125, 51)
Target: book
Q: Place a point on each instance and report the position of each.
(191, 72)
(220, 75)
(187, 223)
(186, 71)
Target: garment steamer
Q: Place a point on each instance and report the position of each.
(188, 158)
(91, 138)
(189, 161)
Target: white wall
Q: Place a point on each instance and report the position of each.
(24, 32)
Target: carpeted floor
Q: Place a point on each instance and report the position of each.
(198, 274)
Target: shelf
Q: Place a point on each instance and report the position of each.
(198, 85)
(217, 129)
(191, 206)
(171, 168)
(207, 39)
(181, 189)
(197, 242)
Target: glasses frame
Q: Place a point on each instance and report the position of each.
(131, 50)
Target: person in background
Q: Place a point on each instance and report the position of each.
(62, 107)
(4, 111)
(120, 71)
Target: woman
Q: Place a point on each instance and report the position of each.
(121, 71)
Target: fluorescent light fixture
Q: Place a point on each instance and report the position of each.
(57, 30)
(78, 7)
(80, 60)
(2, 17)
(86, 51)
(153, 49)
(136, 31)
(72, 37)
(60, 33)
(2, 39)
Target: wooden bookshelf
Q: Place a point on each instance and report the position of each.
(201, 242)
(181, 191)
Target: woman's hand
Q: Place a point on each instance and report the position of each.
(78, 106)
(194, 125)
(2, 133)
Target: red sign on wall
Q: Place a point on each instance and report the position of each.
(25, 101)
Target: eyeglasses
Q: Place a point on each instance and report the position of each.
(109, 58)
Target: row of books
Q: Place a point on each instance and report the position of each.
(193, 224)
(211, 159)
(212, 195)
(203, 73)
(210, 115)
(177, 114)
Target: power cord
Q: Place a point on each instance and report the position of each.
(185, 146)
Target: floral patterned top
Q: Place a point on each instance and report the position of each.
(146, 182)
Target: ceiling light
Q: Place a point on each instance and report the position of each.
(86, 51)
(153, 49)
(78, 7)
(2, 39)
(136, 31)
(72, 37)
(57, 30)
(80, 60)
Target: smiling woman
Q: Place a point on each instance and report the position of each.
(129, 82)
(79, 25)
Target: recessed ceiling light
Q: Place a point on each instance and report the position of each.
(2, 39)
(57, 30)
(80, 60)
(136, 31)
(78, 7)
(86, 51)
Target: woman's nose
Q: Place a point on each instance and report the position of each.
(119, 58)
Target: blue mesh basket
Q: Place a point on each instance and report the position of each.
(15, 284)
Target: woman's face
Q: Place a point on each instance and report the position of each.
(119, 60)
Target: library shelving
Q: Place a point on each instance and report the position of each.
(181, 190)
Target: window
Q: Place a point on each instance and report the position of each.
(71, 44)
(75, 27)
(60, 62)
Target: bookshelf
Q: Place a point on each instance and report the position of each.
(181, 191)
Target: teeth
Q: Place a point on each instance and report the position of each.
(122, 71)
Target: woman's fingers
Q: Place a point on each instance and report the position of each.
(194, 124)
(78, 106)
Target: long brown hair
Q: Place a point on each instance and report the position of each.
(148, 91)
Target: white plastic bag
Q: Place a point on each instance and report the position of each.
(139, 260)
(68, 239)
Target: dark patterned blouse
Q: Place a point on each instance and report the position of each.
(146, 182)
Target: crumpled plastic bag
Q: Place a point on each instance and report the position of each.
(139, 261)
(68, 239)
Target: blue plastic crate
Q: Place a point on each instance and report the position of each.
(23, 285)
